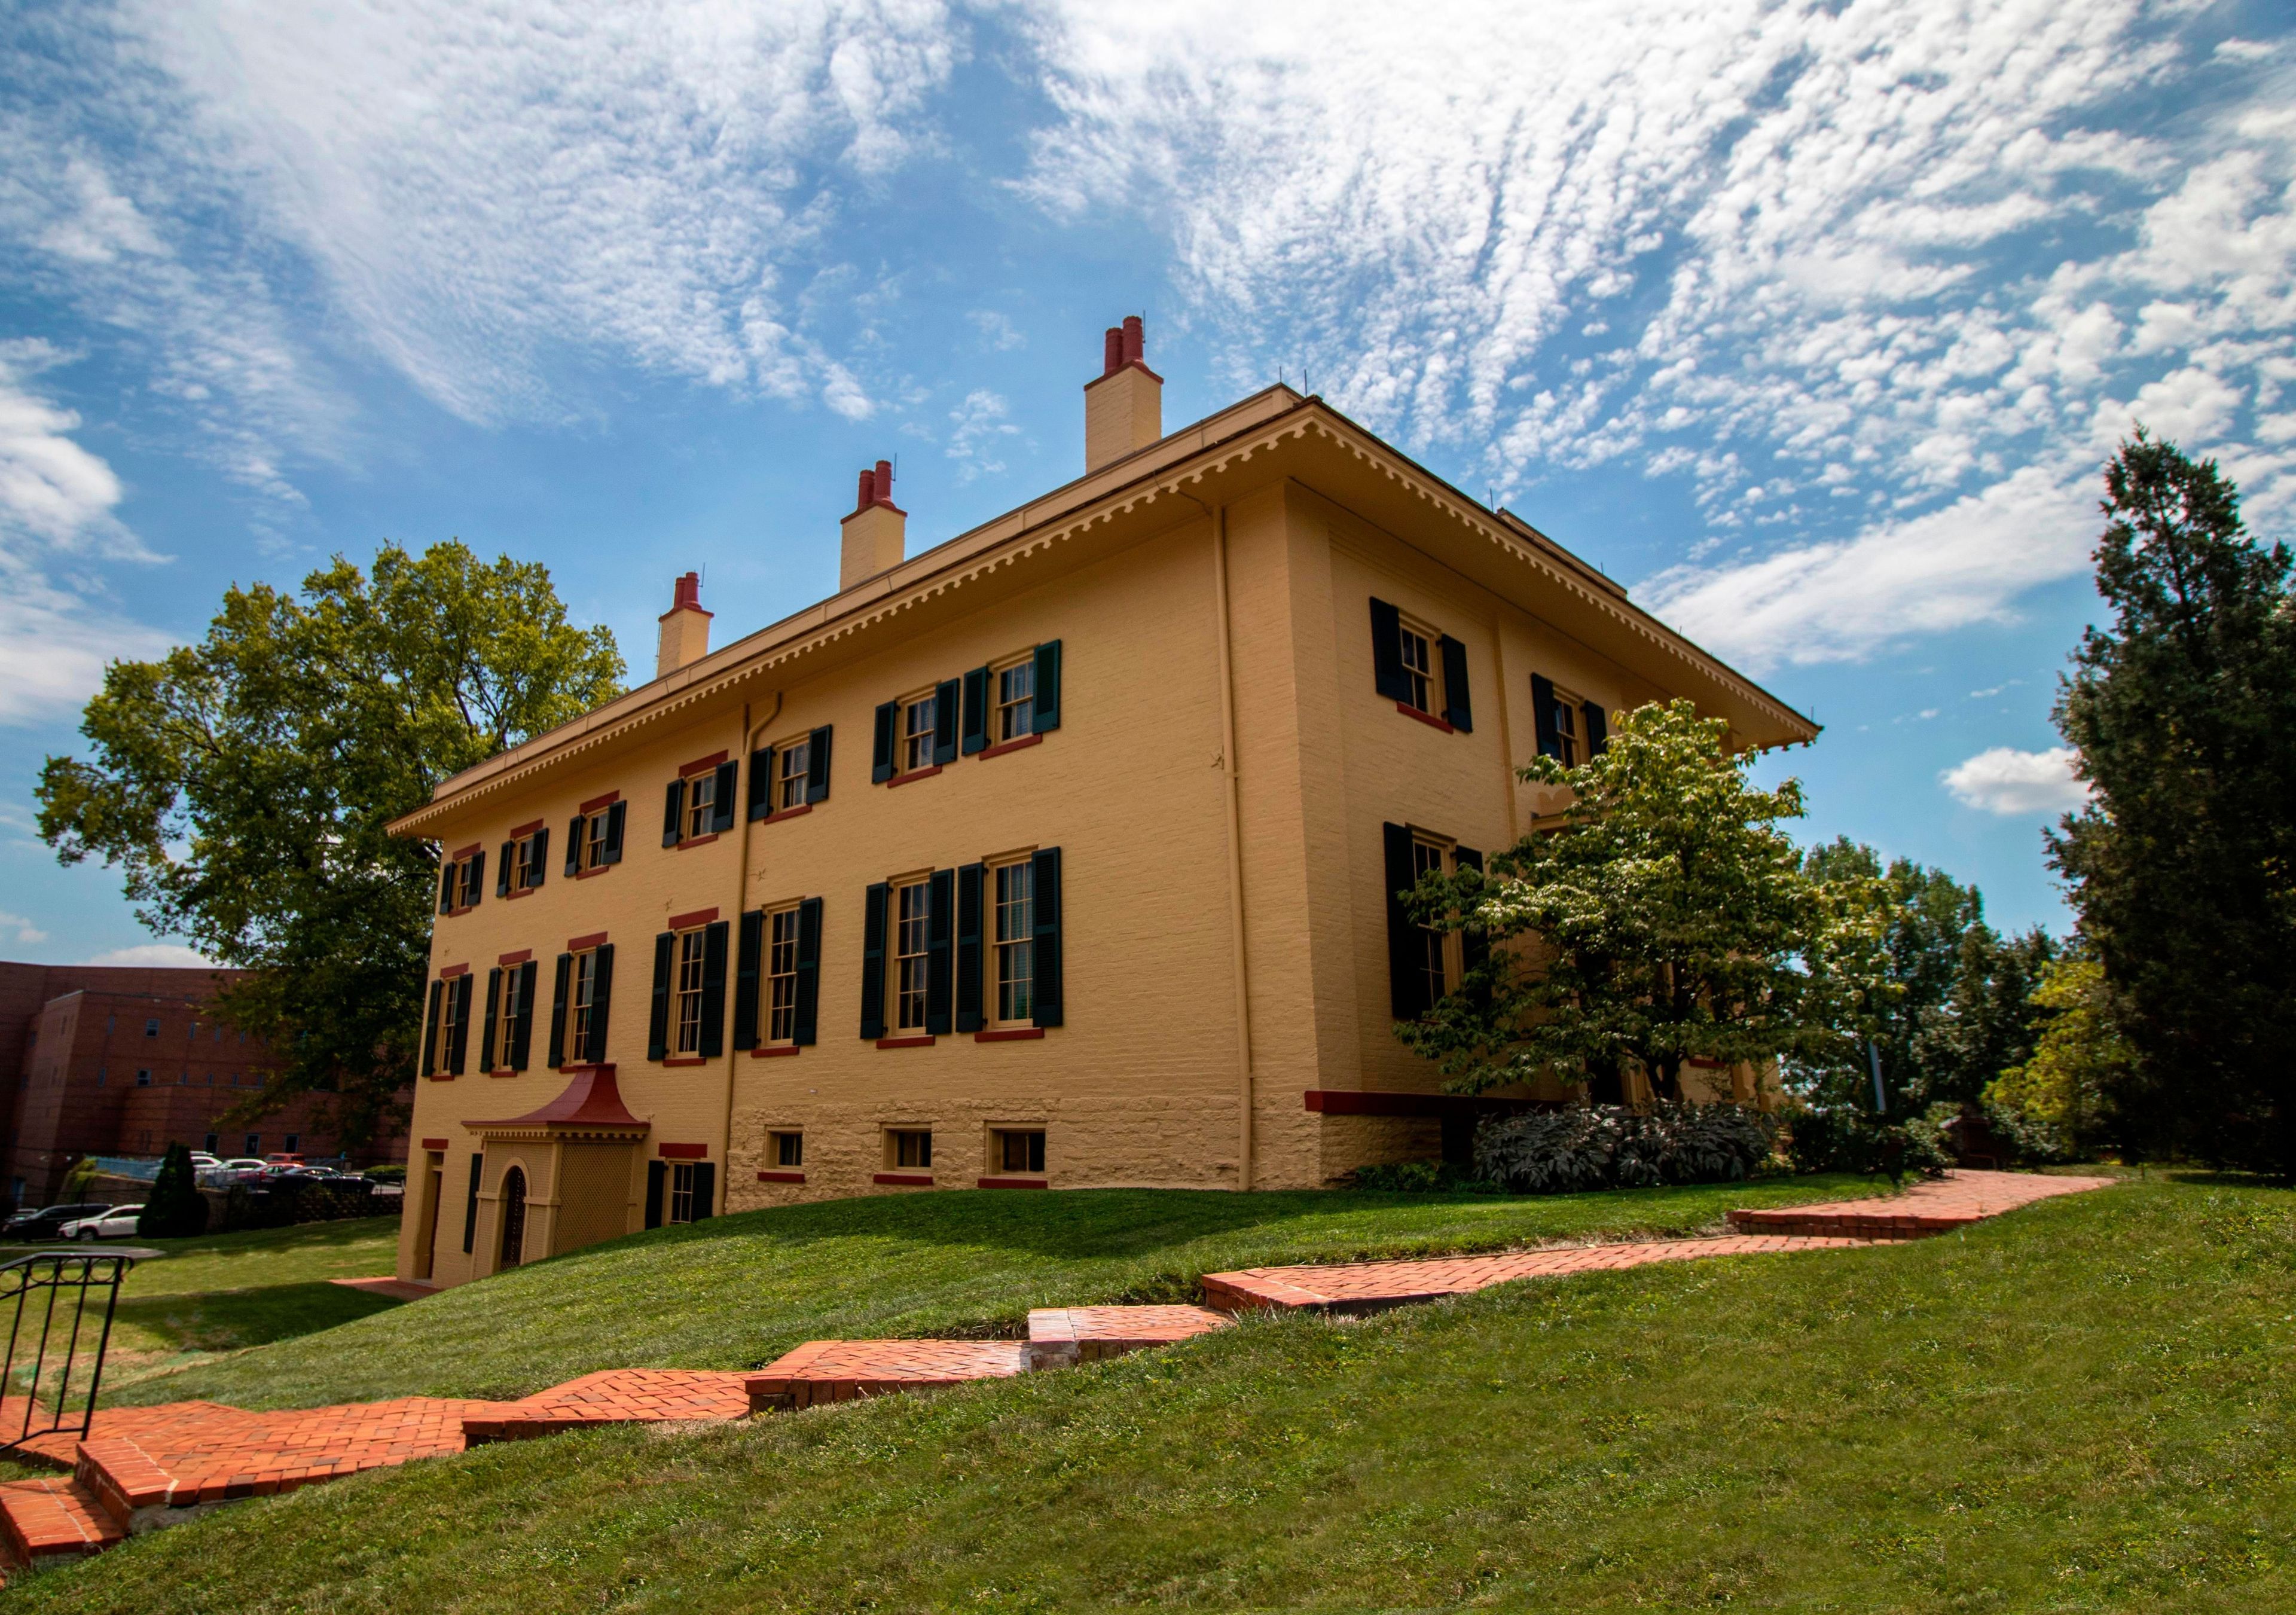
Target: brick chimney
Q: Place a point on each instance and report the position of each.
(876, 533)
(684, 629)
(1124, 409)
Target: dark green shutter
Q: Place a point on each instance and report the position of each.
(1457, 711)
(557, 1003)
(1474, 941)
(705, 1190)
(471, 1205)
(657, 1179)
(540, 861)
(713, 990)
(976, 711)
(431, 1030)
(761, 781)
(1598, 730)
(657, 1027)
(1046, 877)
(502, 871)
(816, 765)
(809, 972)
(939, 928)
(969, 881)
(1047, 707)
(880, 765)
(474, 879)
(949, 697)
(1387, 675)
(613, 853)
(745, 978)
(721, 809)
(673, 809)
(602, 1001)
(1406, 987)
(1542, 716)
(872, 961)
(523, 1046)
(494, 1004)
(574, 828)
(461, 1048)
(448, 876)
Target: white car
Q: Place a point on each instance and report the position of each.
(118, 1223)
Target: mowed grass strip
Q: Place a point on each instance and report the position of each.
(737, 1291)
(2081, 1407)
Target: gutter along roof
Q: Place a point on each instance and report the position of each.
(1510, 553)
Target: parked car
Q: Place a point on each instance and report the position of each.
(118, 1223)
(201, 1158)
(283, 1157)
(49, 1222)
(242, 1166)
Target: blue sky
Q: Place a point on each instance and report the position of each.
(1811, 321)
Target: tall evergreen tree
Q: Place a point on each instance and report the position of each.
(2184, 863)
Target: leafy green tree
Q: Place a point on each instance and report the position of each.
(1961, 1014)
(2184, 863)
(175, 1209)
(1667, 918)
(243, 786)
(2082, 1065)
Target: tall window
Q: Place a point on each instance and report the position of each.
(794, 761)
(1016, 701)
(593, 839)
(917, 721)
(513, 1013)
(586, 988)
(442, 1033)
(1566, 730)
(681, 1191)
(780, 976)
(687, 995)
(911, 939)
(1434, 946)
(701, 804)
(1016, 940)
(1418, 667)
(526, 863)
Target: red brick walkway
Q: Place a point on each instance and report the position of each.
(139, 1464)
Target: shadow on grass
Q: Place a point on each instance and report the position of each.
(226, 1320)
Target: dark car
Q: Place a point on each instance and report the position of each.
(48, 1223)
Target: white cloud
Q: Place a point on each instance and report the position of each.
(26, 932)
(170, 954)
(979, 432)
(2012, 783)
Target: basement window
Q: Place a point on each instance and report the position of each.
(788, 1147)
(909, 1148)
(1017, 1150)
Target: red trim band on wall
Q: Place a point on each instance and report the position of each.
(1001, 747)
(685, 1151)
(575, 945)
(1360, 1102)
(702, 765)
(520, 957)
(1014, 1183)
(434, 1144)
(700, 916)
(771, 1050)
(596, 802)
(781, 1178)
(526, 829)
(452, 970)
(471, 851)
(913, 1180)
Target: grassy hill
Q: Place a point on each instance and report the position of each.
(2084, 1406)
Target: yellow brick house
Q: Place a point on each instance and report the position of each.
(1060, 854)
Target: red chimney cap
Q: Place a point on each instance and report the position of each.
(1125, 347)
(876, 488)
(688, 596)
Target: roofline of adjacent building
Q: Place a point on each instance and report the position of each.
(1188, 454)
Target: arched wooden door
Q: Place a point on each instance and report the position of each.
(513, 1215)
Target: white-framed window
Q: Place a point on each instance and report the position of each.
(1013, 951)
(701, 804)
(1417, 648)
(1017, 1150)
(1570, 744)
(920, 716)
(787, 1149)
(792, 763)
(681, 1191)
(526, 863)
(593, 839)
(909, 1149)
(583, 982)
(781, 975)
(1016, 701)
(442, 1029)
(514, 1010)
(686, 993)
(912, 940)
(1437, 966)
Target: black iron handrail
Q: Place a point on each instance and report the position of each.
(60, 1273)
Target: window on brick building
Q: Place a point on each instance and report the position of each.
(919, 719)
(682, 1175)
(214, 1139)
(788, 1149)
(781, 975)
(912, 947)
(909, 1148)
(1018, 1148)
(1016, 699)
(685, 1004)
(151, 1028)
(254, 1144)
(1016, 942)
(292, 1139)
(143, 1078)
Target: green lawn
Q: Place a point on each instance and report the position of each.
(2081, 1407)
(737, 1291)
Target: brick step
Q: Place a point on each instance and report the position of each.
(822, 1371)
(50, 1519)
(1059, 1336)
(616, 1396)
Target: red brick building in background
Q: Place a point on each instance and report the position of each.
(126, 1060)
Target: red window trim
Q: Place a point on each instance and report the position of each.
(925, 1042)
(687, 1060)
(467, 853)
(594, 869)
(596, 802)
(772, 1050)
(500, 1071)
(448, 972)
(913, 774)
(439, 1077)
(520, 957)
(702, 765)
(1408, 711)
(1001, 747)
(523, 892)
(697, 841)
(1705, 1065)
(700, 916)
(526, 829)
(1008, 1034)
(1013, 1182)
(798, 812)
(575, 945)
(456, 913)
(781, 1178)
(685, 1151)
(434, 1144)
(914, 1180)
